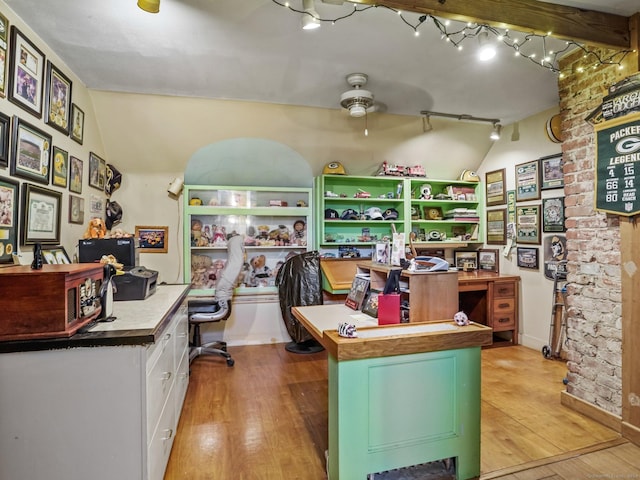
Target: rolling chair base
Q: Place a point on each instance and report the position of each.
(209, 349)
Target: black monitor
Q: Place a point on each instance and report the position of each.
(124, 249)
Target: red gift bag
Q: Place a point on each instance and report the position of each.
(389, 300)
(388, 308)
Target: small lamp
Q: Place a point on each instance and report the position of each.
(151, 6)
(175, 187)
(310, 16)
(495, 133)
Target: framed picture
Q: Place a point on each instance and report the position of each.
(4, 29)
(55, 256)
(58, 99)
(370, 305)
(76, 209)
(60, 172)
(40, 215)
(551, 171)
(527, 257)
(489, 260)
(528, 224)
(5, 128)
(97, 171)
(464, 260)
(357, 292)
(382, 253)
(527, 181)
(26, 73)
(495, 186)
(152, 239)
(75, 178)
(30, 152)
(77, 124)
(497, 226)
(553, 215)
(96, 205)
(9, 190)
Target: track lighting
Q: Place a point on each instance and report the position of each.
(310, 16)
(426, 124)
(495, 133)
(487, 49)
(151, 6)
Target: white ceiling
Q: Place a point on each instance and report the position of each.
(255, 50)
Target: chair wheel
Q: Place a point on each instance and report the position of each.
(546, 351)
(230, 362)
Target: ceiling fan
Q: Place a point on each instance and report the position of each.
(358, 101)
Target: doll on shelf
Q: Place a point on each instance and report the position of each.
(299, 233)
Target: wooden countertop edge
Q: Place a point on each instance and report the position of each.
(343, 348)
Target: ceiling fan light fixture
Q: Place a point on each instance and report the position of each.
(357, 110)
(151, 6)
(310, 16)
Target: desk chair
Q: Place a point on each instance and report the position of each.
(207, 310)
(215, 309)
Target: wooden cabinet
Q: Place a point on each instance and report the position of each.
(491, 299)
(275, 223)
(430, 296)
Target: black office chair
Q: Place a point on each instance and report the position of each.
(217, 308)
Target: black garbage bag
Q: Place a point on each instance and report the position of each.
(299, 283)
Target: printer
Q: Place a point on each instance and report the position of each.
(136, 283)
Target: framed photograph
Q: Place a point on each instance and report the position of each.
(55, 256)
(5, 129)
(528, 224)
(97, 171)
(75, 175)
(26, 73)
(464, 260)
(30, 152)
(60, 173)
(553, 215)
(9, 190)
(495, 186)
(76, 209)
(370, 305)
(357, 292)
(497, 226)
(4, 30)
(527, 181)
(96, 205)
(58, 99)
(551, 171)
(152, 239)
(40, 215)
(489, 260)
(77, 124)
(527, 257)
(382, 253)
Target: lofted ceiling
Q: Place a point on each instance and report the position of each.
(255, 50)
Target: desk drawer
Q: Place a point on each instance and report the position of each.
(503, 321)
(503, 305)
(504, 289)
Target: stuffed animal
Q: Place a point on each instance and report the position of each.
(196, 233)
(96, 229)
(260, 272)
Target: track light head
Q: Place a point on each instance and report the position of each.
(310, 16)
(495, 133)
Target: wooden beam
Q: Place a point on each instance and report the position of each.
(583, 26)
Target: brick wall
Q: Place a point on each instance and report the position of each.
(594, 308)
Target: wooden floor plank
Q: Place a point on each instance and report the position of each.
(266, 418)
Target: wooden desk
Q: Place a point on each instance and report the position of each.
(491, 299)
(399, 395)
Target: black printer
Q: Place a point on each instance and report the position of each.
(136, 283)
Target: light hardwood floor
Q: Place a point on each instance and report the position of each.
(266, 419)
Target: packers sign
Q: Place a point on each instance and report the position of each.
(618, 165)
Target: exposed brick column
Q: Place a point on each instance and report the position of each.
(594, 302)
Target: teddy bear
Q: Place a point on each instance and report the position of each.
(96, 229)
(260, 272)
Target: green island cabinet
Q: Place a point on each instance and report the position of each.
(276, 223)
(356, 212)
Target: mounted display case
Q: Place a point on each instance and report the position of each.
(276, 223)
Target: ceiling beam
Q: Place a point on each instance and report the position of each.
(583, 26)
